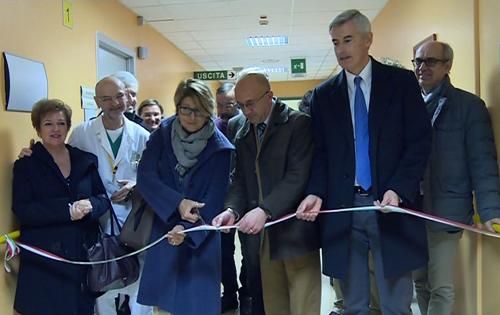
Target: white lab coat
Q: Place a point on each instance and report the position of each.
(91, 136)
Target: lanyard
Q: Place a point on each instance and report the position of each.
(114, 167)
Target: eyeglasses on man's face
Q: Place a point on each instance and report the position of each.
(188, 111)
(229, 105)
(252, 103)
(429, 62)
(107, 99)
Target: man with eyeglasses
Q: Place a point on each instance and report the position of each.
(273, 157)
(463, 163)
(226, 106)
(118, 144)
(131, 90)
(227, 109)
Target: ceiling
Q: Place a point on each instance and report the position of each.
(214, 32)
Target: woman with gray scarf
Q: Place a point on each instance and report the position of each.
(184, 175)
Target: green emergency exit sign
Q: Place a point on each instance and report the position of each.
(298, 65)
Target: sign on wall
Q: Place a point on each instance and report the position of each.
(219, 75)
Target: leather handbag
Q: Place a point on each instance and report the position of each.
(136, 231)
(111, 275)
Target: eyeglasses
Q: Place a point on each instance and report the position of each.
(429, 62)
(252, 103)
(226, 105)
(188, 111)
(107, 99)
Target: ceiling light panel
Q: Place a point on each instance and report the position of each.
(267, 41)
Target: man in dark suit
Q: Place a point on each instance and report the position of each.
(463, 164)
(226, 110)
(273, 157)
(372, 140)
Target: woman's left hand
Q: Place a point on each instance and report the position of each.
(174, 237)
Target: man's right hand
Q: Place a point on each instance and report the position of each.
(27, 151)
(309, 208)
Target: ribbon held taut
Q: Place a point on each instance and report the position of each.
(13, 247)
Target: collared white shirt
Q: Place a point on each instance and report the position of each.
(366, 87)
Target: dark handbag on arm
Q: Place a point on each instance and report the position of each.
(115, 274)
(136, 231)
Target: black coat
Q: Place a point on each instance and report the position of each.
(284, 162)
(400, 139)
(40, 201)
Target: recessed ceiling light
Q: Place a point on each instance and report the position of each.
(263, 41)
(277, 69)
(271, 60)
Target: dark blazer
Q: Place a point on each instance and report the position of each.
(234, 125)
(463, 160)
(40, 201)
(284, 162)
(185, 279)
(400, 141)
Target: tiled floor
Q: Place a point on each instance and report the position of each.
(327, 294)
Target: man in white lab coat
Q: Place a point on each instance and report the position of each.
(118, 144)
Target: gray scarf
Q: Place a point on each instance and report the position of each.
(187, 146)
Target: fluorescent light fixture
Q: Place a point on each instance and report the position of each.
(276, 69)
(264, 41)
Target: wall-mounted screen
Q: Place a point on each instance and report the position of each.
(25, 82)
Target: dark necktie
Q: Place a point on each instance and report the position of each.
(261, 127)
(363, 173)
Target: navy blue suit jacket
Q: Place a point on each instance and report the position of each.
(400, 141)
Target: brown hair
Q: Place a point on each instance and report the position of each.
(149, 102)
(199, 91)
(43, 107)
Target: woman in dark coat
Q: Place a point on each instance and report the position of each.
(57, 198)
(183, 175)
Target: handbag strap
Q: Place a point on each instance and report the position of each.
(114, 220)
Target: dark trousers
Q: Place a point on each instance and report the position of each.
(228, 276)
(250, 246)
(395, 293)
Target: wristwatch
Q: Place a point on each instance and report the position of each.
(234, 213)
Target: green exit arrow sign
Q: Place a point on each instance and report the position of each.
(214, 75)
(298, 65)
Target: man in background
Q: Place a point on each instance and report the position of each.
(463, 164)
(227, 109)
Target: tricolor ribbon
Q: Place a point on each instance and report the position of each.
(13, 247)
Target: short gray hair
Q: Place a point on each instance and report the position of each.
(361, 22)
(447, 51)
(259, 73)
(128, 79)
